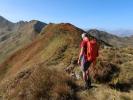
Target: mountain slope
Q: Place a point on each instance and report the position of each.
(54, 39)
(5, 25)
(41, 64)
(112, 39)
(13, 36)
(57, 44)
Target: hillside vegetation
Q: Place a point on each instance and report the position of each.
(47, 69)
(14, 36)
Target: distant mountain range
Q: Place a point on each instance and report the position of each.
(112, 39)
(122, 32)
(32, 27)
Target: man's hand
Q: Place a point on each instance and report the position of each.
(78, 61)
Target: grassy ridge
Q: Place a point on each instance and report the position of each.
(56, 48)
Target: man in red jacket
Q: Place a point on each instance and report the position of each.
(83, 61)
(88, 54)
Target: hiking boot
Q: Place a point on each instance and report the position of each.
(89, 83)
(85, 86)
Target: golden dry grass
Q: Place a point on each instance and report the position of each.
(38, 83)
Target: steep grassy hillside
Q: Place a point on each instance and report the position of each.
(14, 36)
(47, 69)
(59, 42)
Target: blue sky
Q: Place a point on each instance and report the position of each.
(106, 14)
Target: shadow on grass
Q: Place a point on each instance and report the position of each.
(82, 88)
(123, 87)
